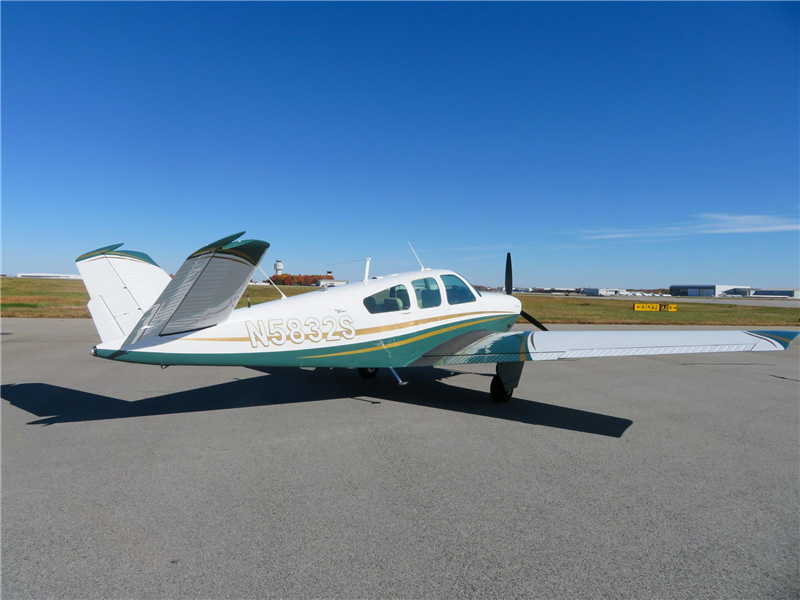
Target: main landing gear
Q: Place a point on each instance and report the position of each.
(501, 388)
(505, 381)
(368, 373)
(498, 391)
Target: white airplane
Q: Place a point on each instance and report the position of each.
(420, 318)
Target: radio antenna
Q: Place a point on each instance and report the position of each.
(421, 266)
(366, 270)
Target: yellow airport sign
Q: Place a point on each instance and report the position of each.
(654, 307)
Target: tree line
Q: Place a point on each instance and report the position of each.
(289, 279)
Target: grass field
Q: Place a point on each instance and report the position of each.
(62, 299)
(56, 298)
(560, 309)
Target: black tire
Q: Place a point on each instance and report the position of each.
(368, 373)
(498, 390)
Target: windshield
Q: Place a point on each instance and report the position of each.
(456, 290)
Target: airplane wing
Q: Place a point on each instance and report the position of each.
(555, 345)
(205, 289)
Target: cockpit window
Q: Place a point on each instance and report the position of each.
(427, 292)
(391, 300)
(457, 291)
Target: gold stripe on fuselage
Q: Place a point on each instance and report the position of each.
(408, 341)
(382, 328)
(225, 339)
(367, 330)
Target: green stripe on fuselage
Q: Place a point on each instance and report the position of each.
(402, 351)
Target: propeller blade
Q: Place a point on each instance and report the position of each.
(510, 286)
(509, 278)
(531, 320)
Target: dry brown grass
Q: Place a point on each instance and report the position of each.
(53, 298)
(66, 299)
(560, 309)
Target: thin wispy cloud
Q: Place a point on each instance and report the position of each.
(482, 256)
(651, 240)
(479, 248)
(569, 247)
(704, 224)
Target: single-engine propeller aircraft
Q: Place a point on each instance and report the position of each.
(420, 318)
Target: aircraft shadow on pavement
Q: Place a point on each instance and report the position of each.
(56, 404)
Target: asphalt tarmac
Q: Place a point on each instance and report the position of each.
(654, 477)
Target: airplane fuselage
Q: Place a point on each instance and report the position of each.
(383, 322)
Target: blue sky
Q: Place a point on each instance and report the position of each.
(603, 144)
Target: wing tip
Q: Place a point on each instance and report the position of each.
(784, 338)
(220, 243)
(97, 252)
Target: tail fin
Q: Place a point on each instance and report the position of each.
(122, 285)
(204, 291)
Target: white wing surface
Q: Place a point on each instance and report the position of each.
(555, 345)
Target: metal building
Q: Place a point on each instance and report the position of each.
(604, 292)
(779, 293)
(47, 276)
(332, 282)
(709, 290)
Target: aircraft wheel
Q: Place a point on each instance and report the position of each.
(368, 373)
(498, 390)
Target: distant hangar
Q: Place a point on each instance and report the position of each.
(718, 290)
(605, 292)
(47, 276)
(709, 290)
(777, 293)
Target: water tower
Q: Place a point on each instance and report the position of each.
(278, 267)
